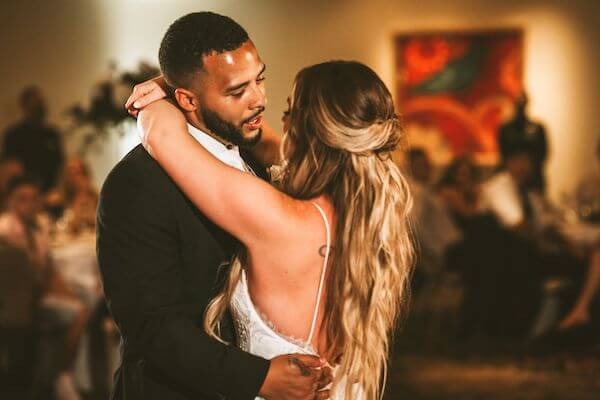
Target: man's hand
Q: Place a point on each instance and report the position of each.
(296, 377)
(146, 93)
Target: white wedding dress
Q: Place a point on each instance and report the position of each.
(256, 335)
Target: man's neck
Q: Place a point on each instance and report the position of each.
(200, 126)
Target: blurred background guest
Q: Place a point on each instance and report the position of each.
(434, 229)
(9, 169)
(434, 233)
(22, 224)
(579, 318)
(73, 252)
(522, 132)
(75, 185)
(507, 194)
(459, 189)
(61, 315)
(74, 242)
(477, 257)
(419, 166)
(34, 143)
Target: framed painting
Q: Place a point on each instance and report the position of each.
(455, 89)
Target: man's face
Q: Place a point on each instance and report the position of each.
(231, 93)
(35, 106)
(25, 202)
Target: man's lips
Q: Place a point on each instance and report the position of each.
(255, 123)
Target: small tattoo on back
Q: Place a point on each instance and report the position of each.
(323, 250)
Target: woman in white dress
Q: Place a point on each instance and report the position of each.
(327, 253)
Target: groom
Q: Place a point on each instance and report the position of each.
(159, 255)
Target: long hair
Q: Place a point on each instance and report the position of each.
(342, 131)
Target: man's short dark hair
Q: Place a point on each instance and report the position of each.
(192, 37)
(28, 93)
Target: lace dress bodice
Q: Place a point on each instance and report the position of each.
(258, 336)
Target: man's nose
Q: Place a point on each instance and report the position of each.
(259, 98)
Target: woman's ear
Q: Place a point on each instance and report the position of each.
(186, 100)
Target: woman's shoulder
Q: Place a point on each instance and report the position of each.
(302, 225)
(314, 212)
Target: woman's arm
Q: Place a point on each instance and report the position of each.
(265, 152)
(239, 202)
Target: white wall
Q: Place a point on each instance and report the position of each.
(65, 46)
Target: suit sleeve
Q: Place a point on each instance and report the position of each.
(138, 253)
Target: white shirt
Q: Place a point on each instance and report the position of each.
(500, 195)
(229, 155)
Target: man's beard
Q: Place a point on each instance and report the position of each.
(228, 131)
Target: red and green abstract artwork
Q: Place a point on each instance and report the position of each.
(455, 89)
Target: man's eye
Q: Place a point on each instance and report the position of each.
(262, 78)
(237, 94)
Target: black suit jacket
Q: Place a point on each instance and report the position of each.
(158, 258)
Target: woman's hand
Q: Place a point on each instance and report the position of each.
(158, 120)
(146, 93)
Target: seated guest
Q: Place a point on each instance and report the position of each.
(22, 224)
(459, 188)
(419, 165)
(541, 256)
(478, 256)
(506, 194)
(61, 314)
(518, 208)
(74, 250)
(588, 206)
(434, 228)
(75, 181)
(519, 212)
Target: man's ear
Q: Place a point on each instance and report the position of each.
(186, 99)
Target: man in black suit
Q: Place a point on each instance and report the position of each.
(159, 255)
(35, 144)
(523, 133)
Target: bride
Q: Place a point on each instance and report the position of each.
(327, 252)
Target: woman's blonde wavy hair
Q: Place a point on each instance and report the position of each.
(343, 128)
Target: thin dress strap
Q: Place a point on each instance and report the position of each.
(322, 280)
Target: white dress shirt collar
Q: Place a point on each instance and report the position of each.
(230, 155)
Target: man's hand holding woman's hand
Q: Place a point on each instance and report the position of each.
(296, 377)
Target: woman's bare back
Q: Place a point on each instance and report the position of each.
(284, 277)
